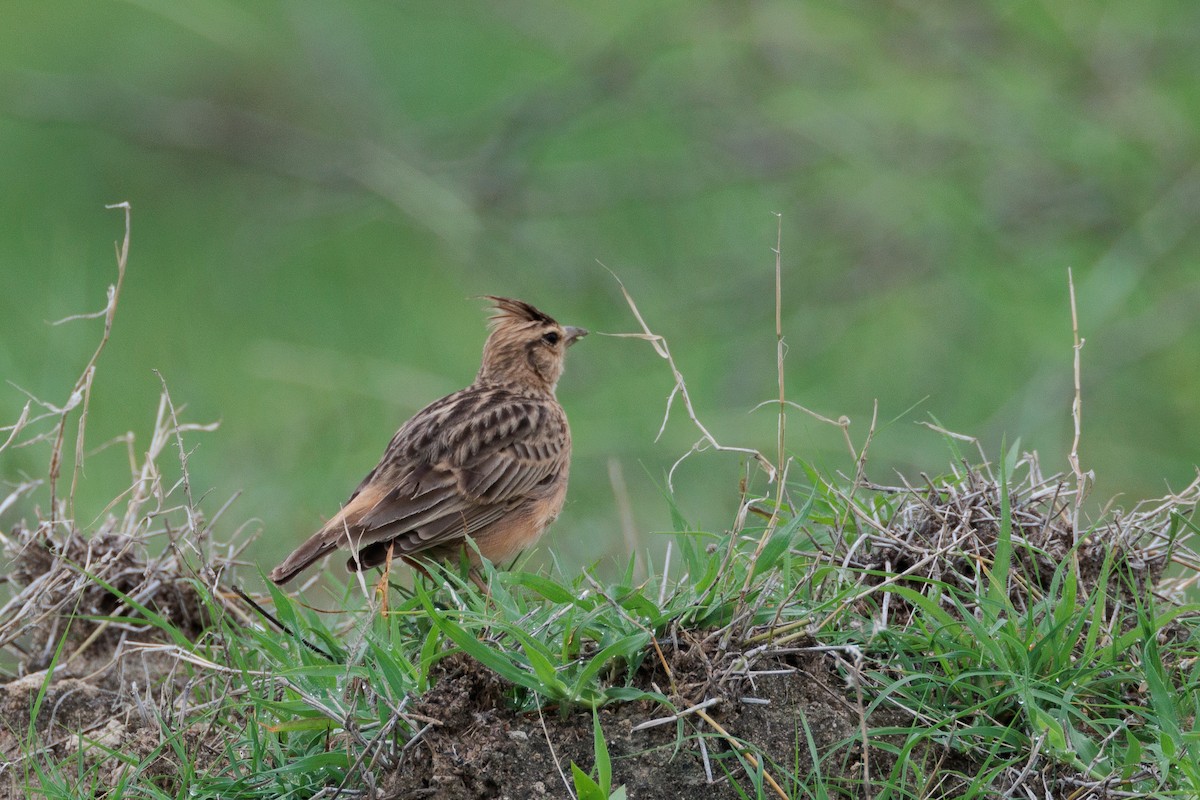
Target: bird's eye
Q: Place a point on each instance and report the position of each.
(551, 337)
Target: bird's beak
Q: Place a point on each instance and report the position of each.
(574, 334)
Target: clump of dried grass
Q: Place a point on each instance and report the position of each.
(946, 532)
(76, 597)
(62, 578)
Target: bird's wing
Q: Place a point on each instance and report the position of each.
(463, 465)
(457, 466)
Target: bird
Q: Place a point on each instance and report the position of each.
(488, 463)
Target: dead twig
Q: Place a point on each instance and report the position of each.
(680, 390)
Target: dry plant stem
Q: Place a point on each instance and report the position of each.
(680, 390)
(781, 425)
(780, 348)
(83, 385)
(842, 422)
(860, 458)
(860, 474)
(708, 773)
(962, 437)
(654, 723)
(15, 495)
(1076, 410)
(16, 427)
(662, 586)
(745, 753)
(186, 655)
(196, 530)
(373, 748)
(147, 480)
(856, 670)
(550, 744)
(81, 427)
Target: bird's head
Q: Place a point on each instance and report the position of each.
(526, 347)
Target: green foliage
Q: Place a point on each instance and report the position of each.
(1006, 683)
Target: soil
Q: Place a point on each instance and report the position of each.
(479, 748)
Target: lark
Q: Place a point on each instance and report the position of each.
(486, 464)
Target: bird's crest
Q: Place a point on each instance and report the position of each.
(510, 310)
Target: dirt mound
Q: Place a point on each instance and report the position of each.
(478, 747)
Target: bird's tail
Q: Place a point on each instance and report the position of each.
(317, 547)
(341, 531)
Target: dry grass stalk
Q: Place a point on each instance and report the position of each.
(680, 390)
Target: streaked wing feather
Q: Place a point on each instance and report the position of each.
(475, 459)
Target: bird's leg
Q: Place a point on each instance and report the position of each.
(381, 588)
(418, 567)
(473, 574)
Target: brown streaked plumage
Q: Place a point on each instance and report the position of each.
(488, 462)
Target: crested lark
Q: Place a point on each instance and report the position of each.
(488, 462)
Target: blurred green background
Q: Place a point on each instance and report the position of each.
(319, 190)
